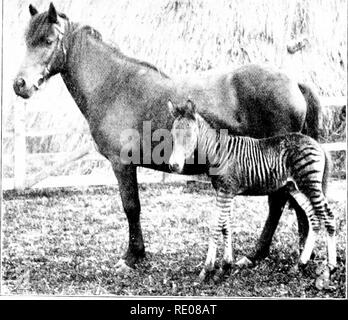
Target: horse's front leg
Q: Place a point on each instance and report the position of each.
(128, 186)
(220, 224)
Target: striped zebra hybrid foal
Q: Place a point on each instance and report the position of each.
(243, 165)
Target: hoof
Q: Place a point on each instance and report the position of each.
(202, 275)
(320, 283)
(323, 283)
(294, 269)
(218, 276)
(244, 263)
(302, 266)
(122, 268)
(332, 269)
(226, 267)
(323, 280)
(207, 274)
(320, 269)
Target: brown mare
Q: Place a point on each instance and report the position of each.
(115, 92)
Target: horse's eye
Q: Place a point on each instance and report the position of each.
(49, 42)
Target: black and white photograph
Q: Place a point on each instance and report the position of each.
(178, 149)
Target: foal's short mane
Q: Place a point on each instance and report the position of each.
(215, 122)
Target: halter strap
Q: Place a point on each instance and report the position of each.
(60, 42)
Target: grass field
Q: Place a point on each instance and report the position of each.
(67, 242)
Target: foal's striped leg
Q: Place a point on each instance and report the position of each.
(323, 214)
(221, 224)
(330, 224)
(314, 224)
(224, 201)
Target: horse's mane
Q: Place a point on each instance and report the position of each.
(142, 63)
(88, 30)
(92, 32)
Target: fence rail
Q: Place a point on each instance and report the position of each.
(63, 158)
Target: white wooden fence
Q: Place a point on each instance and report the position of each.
(45, 178)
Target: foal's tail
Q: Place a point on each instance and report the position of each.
(326, 174)
(312, 121)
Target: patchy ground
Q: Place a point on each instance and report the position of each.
(67, 242)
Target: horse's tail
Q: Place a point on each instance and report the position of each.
(326, 174)
(312, 125)
(312, 121)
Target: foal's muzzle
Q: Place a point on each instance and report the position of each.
(174, 167)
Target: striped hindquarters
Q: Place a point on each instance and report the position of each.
(307, 167)
(307, 170)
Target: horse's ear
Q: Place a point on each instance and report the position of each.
(33, 11)
(190, 107)
(52, 14)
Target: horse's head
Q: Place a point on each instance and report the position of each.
(46, 52)
(185, 133)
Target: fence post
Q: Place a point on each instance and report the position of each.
(19, 144)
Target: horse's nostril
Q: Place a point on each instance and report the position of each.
(20, 88)
(20, 82)
(40, 81)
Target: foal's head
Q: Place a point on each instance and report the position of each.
(45, 54)
(185, 133)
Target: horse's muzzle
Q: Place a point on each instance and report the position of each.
(21, 89)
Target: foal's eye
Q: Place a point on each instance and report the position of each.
(48, 42)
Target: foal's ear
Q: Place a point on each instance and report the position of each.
(190, 108)
(174, 110)
(33, 11)
(52, 14)
(170, 106)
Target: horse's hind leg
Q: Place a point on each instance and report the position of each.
(302, 223)
(276, 203)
